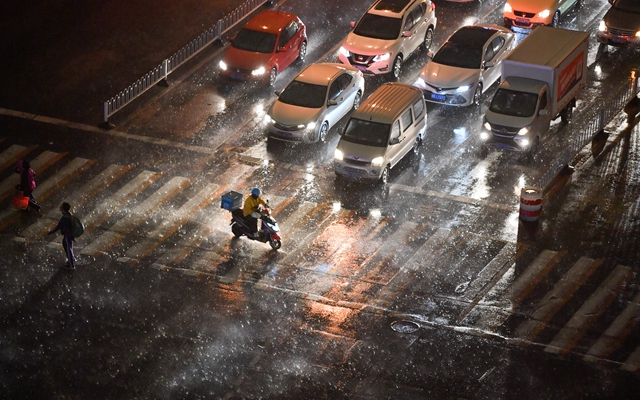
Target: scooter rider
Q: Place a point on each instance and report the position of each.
(251, 205)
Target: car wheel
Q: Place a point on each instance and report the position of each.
(302, 52)
(567, 114)
(273, 74)
(534, 148)
(322, 134)
(397, 67)
(384, 178)
(415, 150)
(556, 19)
(477, 95)
(357, 100)
(428, 39)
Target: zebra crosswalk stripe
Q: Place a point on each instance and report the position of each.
(557, 297)
(14, 153)
(45, 189)
(77, 199)
(173, 221)
(39, 165)
(136, 216)
(616, 332)
(571, 333)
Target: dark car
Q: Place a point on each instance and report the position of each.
(621, 24)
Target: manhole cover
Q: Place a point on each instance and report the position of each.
(404, 326)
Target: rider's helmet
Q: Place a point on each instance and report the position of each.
(255, 192)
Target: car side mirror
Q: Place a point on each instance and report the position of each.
(610, 1)
(352, 24)
(430, 54)
(488, 65)
(395, 140)
(543, 112)
(278, 92)
(407, 34)
(332, 102)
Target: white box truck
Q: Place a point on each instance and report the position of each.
(539, 83)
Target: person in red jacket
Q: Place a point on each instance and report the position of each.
(27, 183)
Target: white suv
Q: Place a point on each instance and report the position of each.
(387, 34)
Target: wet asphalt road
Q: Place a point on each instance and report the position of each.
(336, 314)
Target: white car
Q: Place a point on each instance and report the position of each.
(314, 101)
(527, 14)
(466, 65)
(387, 34)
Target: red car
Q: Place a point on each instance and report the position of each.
(268, 43)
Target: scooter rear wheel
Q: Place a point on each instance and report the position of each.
(237, 232)
(275, 244)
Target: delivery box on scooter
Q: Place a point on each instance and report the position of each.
(231, 201)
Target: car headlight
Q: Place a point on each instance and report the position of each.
(382, 57)
(420, 82)
(484, 135)
(463, 88)
(507, 8)
(523, 131)
(486, 125)
(311, 125)
(544, 13)
(268, 119)
(338, 155)
(376, 162)
(258, 71)
(223, 65)
(602, 27)
(343, 51)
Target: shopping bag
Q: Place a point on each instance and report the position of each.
(20, 201)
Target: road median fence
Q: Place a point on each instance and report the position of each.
(167, 66)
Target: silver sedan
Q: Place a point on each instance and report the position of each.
(314, 101)
(466, 65)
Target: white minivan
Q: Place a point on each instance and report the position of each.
(388, 124)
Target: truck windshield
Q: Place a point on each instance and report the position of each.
(367, 132)
(511, 102)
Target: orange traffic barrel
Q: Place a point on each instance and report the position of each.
(530, 203)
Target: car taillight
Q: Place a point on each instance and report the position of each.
(361, 74)
(433, 6)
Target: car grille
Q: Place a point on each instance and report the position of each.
(504, 131)
(355, 171)
(278, 125)
(621, 32)
(524, 14)
(357, 162)
(360, 59)
(440, 89)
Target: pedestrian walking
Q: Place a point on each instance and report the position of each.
(64, 226)
(27, 183)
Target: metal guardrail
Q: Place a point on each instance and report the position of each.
(597, 124)
(162, 71)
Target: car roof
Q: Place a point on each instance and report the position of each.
(270, 21)
(390, 8)
(321, 73)
(473, 35)
(387, 102)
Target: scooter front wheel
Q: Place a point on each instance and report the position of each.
(275, 244)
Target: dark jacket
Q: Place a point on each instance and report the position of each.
(64, 226)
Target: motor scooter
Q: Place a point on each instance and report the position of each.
(268, 231)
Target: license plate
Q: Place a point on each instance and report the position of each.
(238, 77)
(523, 21)
(361, 67)
(618, 40)
(284, 134)
(439, 97)
(502, 146)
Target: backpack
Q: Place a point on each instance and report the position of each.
(77, 227)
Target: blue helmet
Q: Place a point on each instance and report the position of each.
(255, 192)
